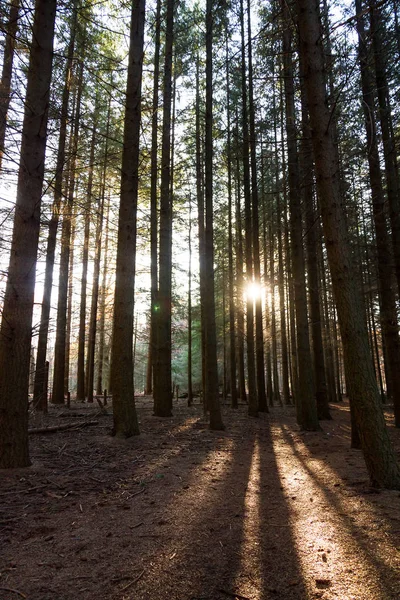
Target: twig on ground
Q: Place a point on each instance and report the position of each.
(233, 594)
(133, 581)
(6, 589)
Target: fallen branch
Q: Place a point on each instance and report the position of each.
(55, 428)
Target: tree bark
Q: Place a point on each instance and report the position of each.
(6, 74)
(390, 330)
(306, 409)
(211, 391)
(16, 324)
(125, 418)
(39, 397)
(362, 388)
(163, 378)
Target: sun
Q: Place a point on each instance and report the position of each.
(253, 291)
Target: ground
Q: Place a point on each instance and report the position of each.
(258, 511)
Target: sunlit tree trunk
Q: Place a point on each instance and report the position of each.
(16, 324)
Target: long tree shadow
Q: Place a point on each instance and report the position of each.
(340, 517)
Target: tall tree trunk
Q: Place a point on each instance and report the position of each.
(153, 205)
(125, 418)
(80, 388)
(390, 330)
(102, 308)
(41, 372)
(211, 391)
(163, 378)
(306, 409)
(8, 59)
(16, 324)
(385, 119)
(362, 388)
(95, 294)
(307, 197)
(232, 345)
(190, 318)
(260, 374)
(240, 289)
(62, 304)
(251, 367)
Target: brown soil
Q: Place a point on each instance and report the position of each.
(258, 511)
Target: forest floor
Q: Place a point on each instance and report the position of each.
(259, 511)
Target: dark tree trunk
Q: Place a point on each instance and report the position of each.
(389, 322)
(163, 378)
(211, 390)
(16, 324)
(80, 388)
(41, 373)
(153, 206)
(125, 418)
(362, 388)
(251, 367)
(306, 409)
(6, 74)
(62, 304)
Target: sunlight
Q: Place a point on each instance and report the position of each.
(252, 291)
(324, 537)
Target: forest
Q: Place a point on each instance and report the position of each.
(199, 299)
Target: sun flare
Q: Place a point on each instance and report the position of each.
(253, 291)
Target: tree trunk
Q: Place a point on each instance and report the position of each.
(80, 387)
(62, 304)
(16, 324)
(306, 409)
(39, 398)
(260, 374)
(362, 388)
(251, 367)
(390, 330)
(163, 377)
(211, 391)
(307, 197)
(8, 59)
(125, 418)
(232, 345)
(153, 205)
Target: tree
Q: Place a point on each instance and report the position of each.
(162, 371)
(362, 388)
(16, 324)
(125, 418)
(8, 59)
(211, 366)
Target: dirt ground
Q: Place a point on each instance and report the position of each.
(259, 511)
